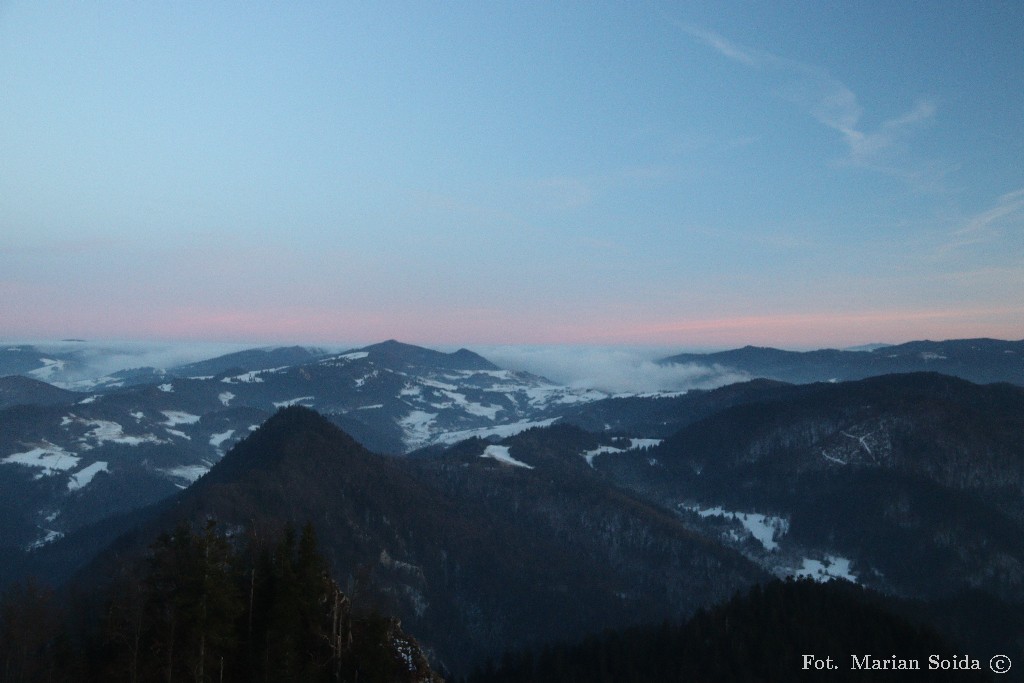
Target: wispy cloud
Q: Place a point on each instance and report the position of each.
(836, 106)
(1005, 215)
(1007, 212)
(743, 55)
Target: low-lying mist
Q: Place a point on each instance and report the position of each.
(611, 369)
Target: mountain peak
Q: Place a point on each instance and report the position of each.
(409, 354)
(290, 436)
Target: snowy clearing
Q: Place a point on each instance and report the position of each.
(417, 427)
(177, 417)
(82, 477)
(50, 366)
(216, 440)
(105, 430)
(500, 431)
(591, 454)
(294, 401)
(764, 528)
(49, 458)
(634, 444)
(832, 567)
(189, 473)
(49, 537)
(501, 454)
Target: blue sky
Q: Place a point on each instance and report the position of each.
(693, 175)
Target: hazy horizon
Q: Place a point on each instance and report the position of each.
(702, 176)
(613, 369)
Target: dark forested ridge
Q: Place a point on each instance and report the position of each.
(474, 555)
(976, 360)
(764, 635)
(914, 479)
(908, 484)
(203, 605)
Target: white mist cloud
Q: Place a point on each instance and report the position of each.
(614, 370)
(610, 369)
(99, 359)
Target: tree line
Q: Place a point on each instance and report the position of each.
(207, 605)
(761, 636)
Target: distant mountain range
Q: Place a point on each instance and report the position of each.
(510, 512)
(70, 458)
(978, 360)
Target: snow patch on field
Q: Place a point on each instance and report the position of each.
(250, 377)
(553, 394)
(225, 398)
(644, 443)
(217, 440)
(417, 427)
(189, 473)
(50, 366)
(456, 399)
(166, 388)
(634, 444)
(435, 384)
(501, 454)
(177, 417)
(294, 401)
(84, 476)
(832, 567)
(359, 382)
(49, 537)
(764, 528)
(105, 430)
(500, 431)
(591, 454)
(49, 458)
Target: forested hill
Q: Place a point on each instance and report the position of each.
(475, 553)
(208, 604)
(764, 635)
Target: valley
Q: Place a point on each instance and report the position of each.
(493, 510)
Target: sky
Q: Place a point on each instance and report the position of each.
(681, 175)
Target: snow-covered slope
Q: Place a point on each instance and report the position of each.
(113, 447)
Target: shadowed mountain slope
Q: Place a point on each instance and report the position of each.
(474, 554)
(912, 484)
(779, 632)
